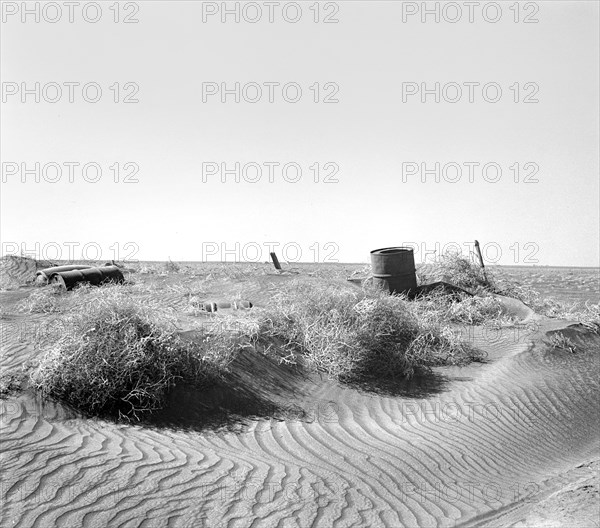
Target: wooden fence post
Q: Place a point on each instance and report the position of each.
(275, 261)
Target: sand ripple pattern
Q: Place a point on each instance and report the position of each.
(478, 451)
(16, 271)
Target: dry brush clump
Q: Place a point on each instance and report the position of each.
(116, 354)
(456, 269)
(483, 307)
(11, 382)
(43, 300)
(354, 335)
(480, 309)
(561, 342)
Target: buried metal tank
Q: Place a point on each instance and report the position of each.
(93, 276)
(45, 274)
(393, 269)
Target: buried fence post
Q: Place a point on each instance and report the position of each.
(275, 261)
(480, 259)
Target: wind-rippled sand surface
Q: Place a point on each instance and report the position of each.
(504, 443)
(564, 284)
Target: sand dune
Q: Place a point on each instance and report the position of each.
(497, 444)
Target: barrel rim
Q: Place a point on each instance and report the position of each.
(68, 273)
(393, 250)
(48, 272)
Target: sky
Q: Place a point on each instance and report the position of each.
(342, 94)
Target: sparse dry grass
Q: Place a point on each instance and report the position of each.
(11, 382)
(206, 270)
(560, 341)
(479, 309)
(46, 299)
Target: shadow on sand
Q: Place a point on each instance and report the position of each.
(256, 387)
(421, 385)
(259, 388)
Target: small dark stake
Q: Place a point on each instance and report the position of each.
(480, 259)
(275, 261)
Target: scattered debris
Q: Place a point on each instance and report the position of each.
(561, 342)
(209, 306)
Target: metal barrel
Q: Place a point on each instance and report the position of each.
(393, 269)
(57, 280)
(48, 272)
(94, 276)
(68, 279)
(111, 274)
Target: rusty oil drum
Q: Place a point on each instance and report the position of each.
(43, 276)
(393, 269)
(94, 276)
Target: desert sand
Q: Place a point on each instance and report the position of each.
(513, 441)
